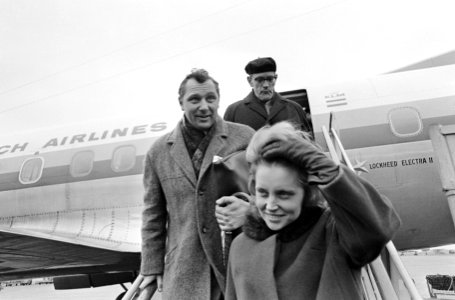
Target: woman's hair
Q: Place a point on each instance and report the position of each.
(279, 132)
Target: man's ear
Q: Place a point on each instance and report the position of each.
(181, 105)
(250, 80)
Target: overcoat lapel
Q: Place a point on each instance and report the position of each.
(278, 106)
(263, 271)
(215, 146)
(255, 105)
(180, 154)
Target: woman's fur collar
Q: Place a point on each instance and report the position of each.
(256, 228)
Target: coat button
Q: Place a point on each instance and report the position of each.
(201, 193)
(204, 229)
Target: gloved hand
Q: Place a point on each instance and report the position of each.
(230, 211)
(319, 168)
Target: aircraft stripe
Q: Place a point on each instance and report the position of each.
(335, 100)
(337, 104)
(61, 175)
(356, 137)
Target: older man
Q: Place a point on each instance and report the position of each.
(263, 105)
(181, 244)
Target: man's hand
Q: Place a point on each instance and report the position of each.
(231, 212)
(146, 284)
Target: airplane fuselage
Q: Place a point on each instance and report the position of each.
(82, 185)
(384, 124)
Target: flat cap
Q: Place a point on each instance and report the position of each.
(260, 65)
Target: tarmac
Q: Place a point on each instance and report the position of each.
(418, 267)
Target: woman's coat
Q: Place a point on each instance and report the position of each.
(347, 236)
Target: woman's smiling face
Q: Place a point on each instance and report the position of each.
(279, 194)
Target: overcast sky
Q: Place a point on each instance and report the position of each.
(65, 61)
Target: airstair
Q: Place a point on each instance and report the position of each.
(443, 140)
(377, 283)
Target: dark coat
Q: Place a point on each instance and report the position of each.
(180, 234)
(250, 111)
(327, 263)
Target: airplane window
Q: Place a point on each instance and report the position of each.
(31, 170)
(82, 163)
(124, 158)
(405, 121)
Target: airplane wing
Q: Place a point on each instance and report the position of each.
(73, 208)
(23, 256)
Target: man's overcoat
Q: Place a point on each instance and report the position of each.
(250, 111)
(180, 234)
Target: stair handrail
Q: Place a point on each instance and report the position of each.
(394, 256)
(378, 269)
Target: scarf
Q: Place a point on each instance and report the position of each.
(197, 142)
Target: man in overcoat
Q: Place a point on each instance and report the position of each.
(181, 243)
(264, 105)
